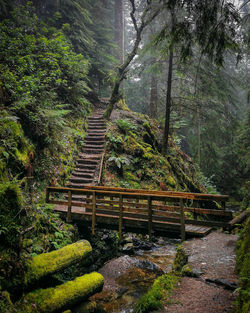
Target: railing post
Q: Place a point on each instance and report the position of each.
(68, 219)
(195, 213)
(93, 212)
(182, 220)
(223, 205)
(150, 218)
(47, 195)
(120, 216)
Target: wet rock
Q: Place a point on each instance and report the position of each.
(226, 283)
(142, 245)
(120, 292)
(128, 248)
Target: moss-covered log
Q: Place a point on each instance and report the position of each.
(63, 296)
(52, 262)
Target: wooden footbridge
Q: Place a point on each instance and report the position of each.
(152, 211)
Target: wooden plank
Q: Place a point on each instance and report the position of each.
(63, 202)
(182, 220)
(150, 218)
(93, 212)
(137, 192)
(68, 219)
(120, 216)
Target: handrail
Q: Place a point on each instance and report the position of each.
(174, 194)
(101, 169)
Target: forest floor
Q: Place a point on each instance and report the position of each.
(212, 258)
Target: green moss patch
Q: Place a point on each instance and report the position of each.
(159, 293)
(49, 263)
(61, 297)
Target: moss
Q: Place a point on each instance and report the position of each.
(170, 181)
(160, 291)
(180, 260)
(243, 269)
(61, 297)
(49, 263)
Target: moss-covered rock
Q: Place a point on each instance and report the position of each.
(160, 291)
(63, 296)
(49, 263)
(180, 260)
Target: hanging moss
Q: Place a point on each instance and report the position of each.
(49, 263)
(63, 296)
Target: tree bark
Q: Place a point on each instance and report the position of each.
(169, 86)
(168, 102)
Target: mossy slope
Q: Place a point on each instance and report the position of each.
(134, 158)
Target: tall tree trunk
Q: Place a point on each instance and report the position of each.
(119, 29)
(199, 136)
(168, 102)
(169, 84)
(153, 97)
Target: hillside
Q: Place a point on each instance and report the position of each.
(134, 158)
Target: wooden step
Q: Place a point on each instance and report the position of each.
(87, 161)
(93, 151)
(95, 146)
(84, 171)
(92, 142)
(85, 166)
(74, 179)
(81, 174)
(95, 138)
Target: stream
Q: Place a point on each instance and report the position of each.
(130, 276)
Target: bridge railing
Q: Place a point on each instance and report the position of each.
(152, 207)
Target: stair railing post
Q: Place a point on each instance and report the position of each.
(93, 212)
(120, 216)
(68, 219)
(182, 217)
(150, 218)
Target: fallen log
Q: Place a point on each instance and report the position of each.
(63, 296)
(49, 263)
(239, 219)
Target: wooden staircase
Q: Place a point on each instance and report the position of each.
(89, 160)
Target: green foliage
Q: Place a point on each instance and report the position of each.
(14, 147)
(10, 214)
(160, 292)
(243, 269)
(42, 80)
(125, 125)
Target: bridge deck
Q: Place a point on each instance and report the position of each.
(108, 219)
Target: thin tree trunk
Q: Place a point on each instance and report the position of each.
(168, 102)
(153, 97)
(199, 136)
(119, 29)
(145, 20)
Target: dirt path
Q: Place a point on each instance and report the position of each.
(213, 259)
